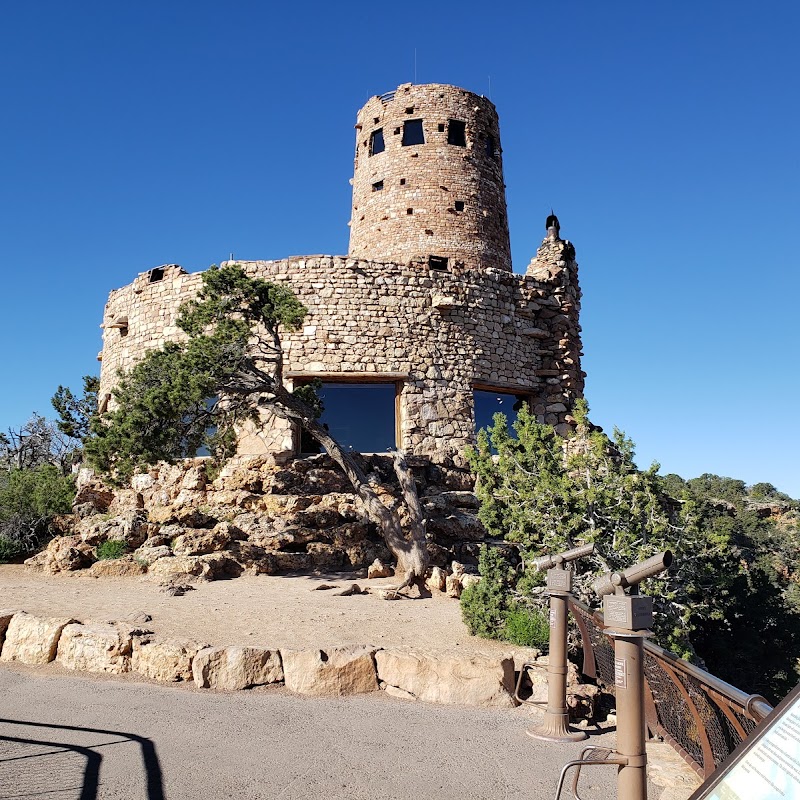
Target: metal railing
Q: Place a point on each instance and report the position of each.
(702, 717)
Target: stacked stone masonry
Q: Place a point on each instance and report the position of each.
(425, 300)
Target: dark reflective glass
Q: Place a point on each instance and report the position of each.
(413, 133)
(487, 404)
(360, 416)
(376, 143)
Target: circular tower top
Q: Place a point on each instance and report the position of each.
(428, 180)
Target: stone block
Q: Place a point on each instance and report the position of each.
(164, 660)
(448, 677)
(95, 647)
(32, 640)
(338, 671)
(234, 668)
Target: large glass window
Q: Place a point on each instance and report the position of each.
(488, 403)
(360, 416)
(413, 133)
(376, 143)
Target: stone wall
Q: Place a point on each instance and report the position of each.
(436, 335)
(441, 198)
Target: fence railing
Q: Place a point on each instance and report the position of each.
(702, 717)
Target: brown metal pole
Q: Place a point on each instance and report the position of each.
(555, 725)
(629, 682)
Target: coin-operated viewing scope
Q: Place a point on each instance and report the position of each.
(559, 579)
(630, 611)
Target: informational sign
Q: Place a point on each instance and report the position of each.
(766, 765)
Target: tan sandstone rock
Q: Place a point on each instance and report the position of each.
(448, 677)
(236, 667)
(453, 586)
(437, 580)
(116, 568)
(95, 647)
(338, 671)
(165, 660)
(377, 569)
(32, 640)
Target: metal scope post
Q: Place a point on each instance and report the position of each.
(555, 725)
(627, 619)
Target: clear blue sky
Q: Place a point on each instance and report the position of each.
(664, 134)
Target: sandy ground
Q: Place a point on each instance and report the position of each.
(266, 611)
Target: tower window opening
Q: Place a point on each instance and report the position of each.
(376, 143)
(438, 263)
(459, 205)
(410, 110)
(396, 131)
(491, 148)
(156, 275)
(413, 133)
(376, 120)
(441, 127)
(402, 181)
(409, 211)
(457, 132)
(377, 186)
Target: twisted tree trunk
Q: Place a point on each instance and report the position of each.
(410, 550)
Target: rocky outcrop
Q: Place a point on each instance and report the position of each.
(260, 517)
(448, 678)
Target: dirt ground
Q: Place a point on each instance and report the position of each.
(264, 610)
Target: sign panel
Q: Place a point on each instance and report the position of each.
(766, 765)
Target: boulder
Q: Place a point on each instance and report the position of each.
(148, 555)
(131, 527)
(63, 554)
(124, 567)
(377, 569)
(448, 677)
(32, 640)
(236, 667)
(437, 579)
(469, 580)
(92, 493)
(95, 647)
(179, 565)
(453, 585)
(338, 671)
(164, 660)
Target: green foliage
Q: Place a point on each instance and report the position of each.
(527, 627)
(188, 396)
(732, 590)
(75, 414)
(484, 604)
(113, 548)
(29, 499)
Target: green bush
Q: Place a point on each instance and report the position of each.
(484, 604)
(113, 548)
(29, 499)
(527, 627)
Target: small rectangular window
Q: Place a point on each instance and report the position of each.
(413, 133)
(459, 204)
(376, 144)
(156, 275)
(402, 181)
(377, 186)
(490, 147)
(409, 211)
(437, 262)
(457, 132)
(410, 110)
(441, 127)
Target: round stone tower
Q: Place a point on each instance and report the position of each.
(428, 180)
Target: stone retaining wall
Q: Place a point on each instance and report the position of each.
(117, 647)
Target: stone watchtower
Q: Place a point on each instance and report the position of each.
(428, 181)
(422, 331)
